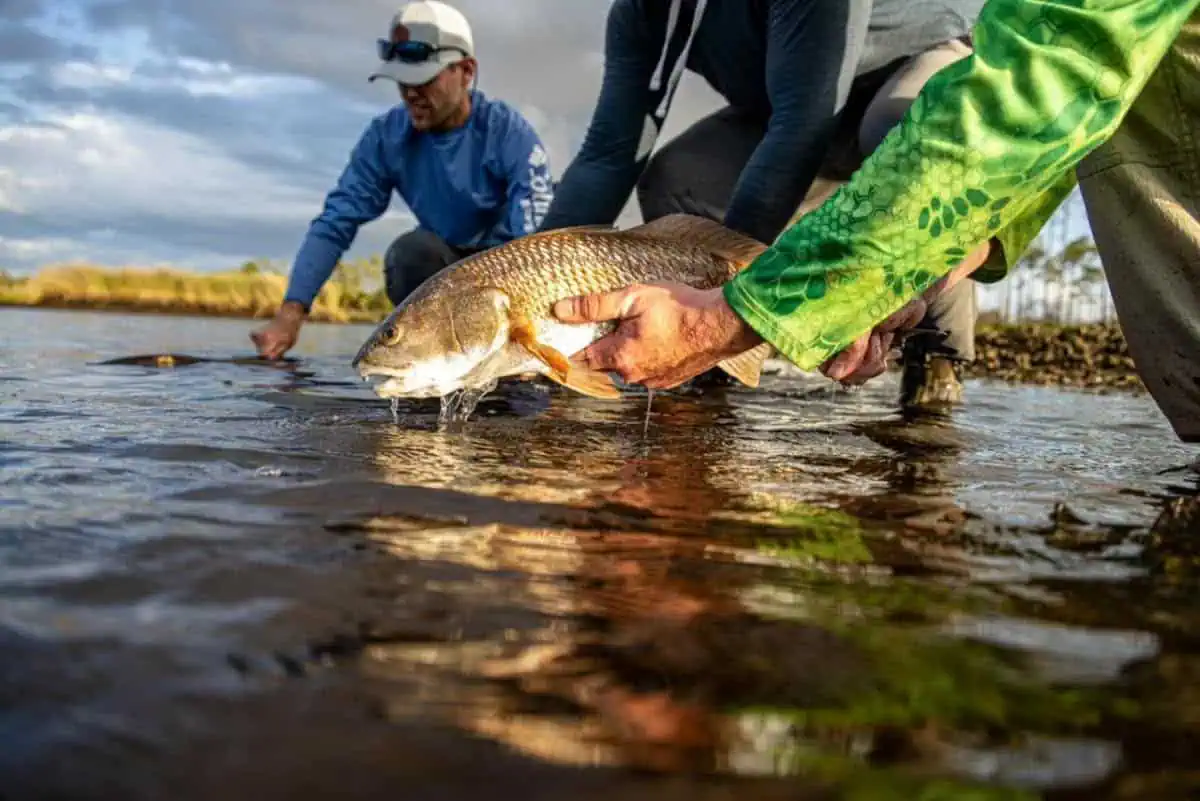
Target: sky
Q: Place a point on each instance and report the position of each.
(204, 133)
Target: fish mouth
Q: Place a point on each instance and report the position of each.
(386, 387)
(390, 382)
(386, 382)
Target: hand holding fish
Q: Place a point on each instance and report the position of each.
(667, 332)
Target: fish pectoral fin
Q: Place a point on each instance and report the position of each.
(522, 333)
(705, 233)
(572, 374)
(587, 381)
(747, 367)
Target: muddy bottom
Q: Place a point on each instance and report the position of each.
(226, 579)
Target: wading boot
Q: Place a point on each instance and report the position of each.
(929, 381)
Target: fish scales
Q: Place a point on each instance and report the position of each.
(581, 264)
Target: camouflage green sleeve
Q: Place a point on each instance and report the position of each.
(984, 151)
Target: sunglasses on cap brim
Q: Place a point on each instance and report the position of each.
(410, 52)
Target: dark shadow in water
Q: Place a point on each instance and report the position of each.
(169, 360)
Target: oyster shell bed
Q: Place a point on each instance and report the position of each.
(1091, 356)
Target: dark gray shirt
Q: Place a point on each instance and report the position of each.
(791, 61)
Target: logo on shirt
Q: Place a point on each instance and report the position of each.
(541, 189)
(537, 157)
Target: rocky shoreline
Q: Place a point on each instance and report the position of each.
(1083, 356)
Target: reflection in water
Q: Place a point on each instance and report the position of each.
(918, 490)
(681, 621)
(229, 581)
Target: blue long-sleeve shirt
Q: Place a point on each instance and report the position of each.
(790, 62)
(479, 185)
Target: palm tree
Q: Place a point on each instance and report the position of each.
(1079, 260)
(1022, 272)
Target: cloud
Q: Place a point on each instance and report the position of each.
(207, 133)
(19, 10)
(149, 192)
(21, 44)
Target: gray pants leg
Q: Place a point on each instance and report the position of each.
(696, 172)
(412, 259)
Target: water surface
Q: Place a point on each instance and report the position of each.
(241, 581)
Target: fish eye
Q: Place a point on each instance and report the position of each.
(391, 335)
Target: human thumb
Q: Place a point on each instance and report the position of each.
(596, 308)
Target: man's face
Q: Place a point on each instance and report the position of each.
(431, 105)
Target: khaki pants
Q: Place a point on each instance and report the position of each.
(1142, 192)
(697, 171)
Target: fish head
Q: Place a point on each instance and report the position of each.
(432, 343)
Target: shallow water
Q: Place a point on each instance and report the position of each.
(241, 581)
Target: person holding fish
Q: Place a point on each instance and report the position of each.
(1103, 93)
(471, 169)
(812, 87)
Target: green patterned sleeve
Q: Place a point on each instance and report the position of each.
(987, 150)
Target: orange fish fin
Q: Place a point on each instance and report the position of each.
(747, 367)
(522, 333)
(587, 381)
(571, 374)
(704, 233)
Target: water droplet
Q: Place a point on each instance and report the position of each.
(458, 405)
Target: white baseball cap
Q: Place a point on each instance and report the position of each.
(425, 37)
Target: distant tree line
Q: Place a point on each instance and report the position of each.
(1065, 286)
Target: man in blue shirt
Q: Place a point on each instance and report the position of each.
(472, 170)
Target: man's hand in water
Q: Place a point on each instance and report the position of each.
(666, 333)
(866, 357)
(279, 336)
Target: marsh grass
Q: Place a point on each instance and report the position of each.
(353, 294)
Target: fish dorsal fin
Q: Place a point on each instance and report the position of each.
(704, 233)
(588, 227)
(591, 228)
